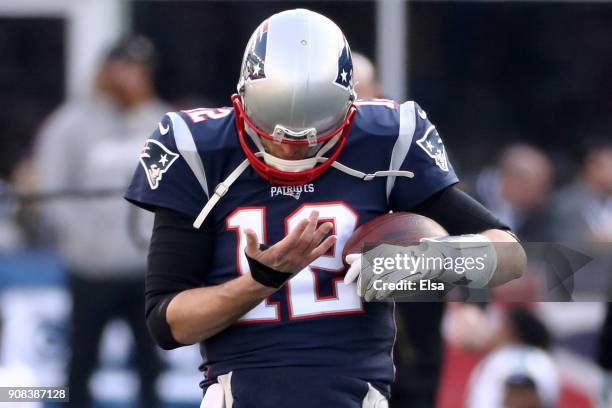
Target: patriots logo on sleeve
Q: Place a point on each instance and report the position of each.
(156, 159)
(432, 144)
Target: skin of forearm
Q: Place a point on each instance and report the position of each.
(511, 259)
(197, 314)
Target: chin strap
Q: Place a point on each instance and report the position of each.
(219, 192)
(224, 186)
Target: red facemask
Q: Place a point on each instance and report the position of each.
(276, 176)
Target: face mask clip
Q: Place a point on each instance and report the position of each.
(278, 135)
(282, 134)
(311, 136)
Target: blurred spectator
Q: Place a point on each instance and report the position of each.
(518, 191)
(11, 237)
(517, 366)
(86, 151)
(583, 213)
(470, 327)
(584, 208)
(366, 82)
(24, 182)
(521, 392)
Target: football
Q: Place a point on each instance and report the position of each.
(400, 228)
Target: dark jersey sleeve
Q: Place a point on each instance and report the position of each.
(419, 149)
(169, 173)
(458, 213)
(178, 257)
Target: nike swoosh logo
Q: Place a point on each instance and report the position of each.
(163, 130)
(422, 114)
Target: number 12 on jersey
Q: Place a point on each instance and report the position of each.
(303, 297)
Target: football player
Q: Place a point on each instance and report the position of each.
(254, 203)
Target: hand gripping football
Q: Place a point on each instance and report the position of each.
(400, 228)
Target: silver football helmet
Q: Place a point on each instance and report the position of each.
(296, 86)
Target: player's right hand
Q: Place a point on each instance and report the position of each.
(362, 269)
(297, 250)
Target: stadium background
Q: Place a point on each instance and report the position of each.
(488, 73)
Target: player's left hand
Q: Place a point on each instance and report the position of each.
(366, 273)
(298, 249)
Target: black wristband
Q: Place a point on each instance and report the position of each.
(266, 275)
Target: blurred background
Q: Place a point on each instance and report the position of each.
(520, 92)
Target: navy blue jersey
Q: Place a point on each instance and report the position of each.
(315, 320)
